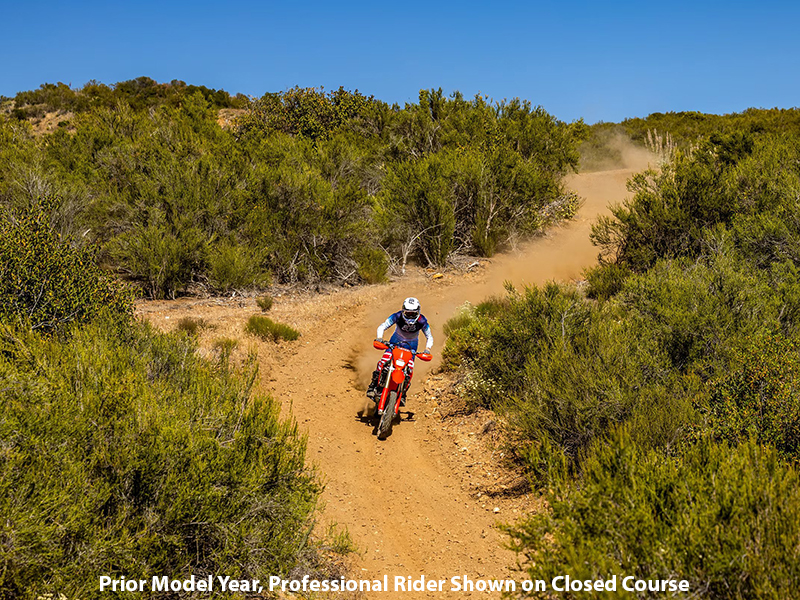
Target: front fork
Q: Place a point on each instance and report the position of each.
(384, 385)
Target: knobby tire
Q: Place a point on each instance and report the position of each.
(385, 425)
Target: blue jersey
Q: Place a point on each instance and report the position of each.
(404, 334)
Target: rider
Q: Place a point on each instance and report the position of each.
(409, 323)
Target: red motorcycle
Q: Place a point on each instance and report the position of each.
(393, 384)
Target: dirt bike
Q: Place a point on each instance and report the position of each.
(393, 384)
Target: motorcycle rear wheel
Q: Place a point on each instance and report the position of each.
(385, 424)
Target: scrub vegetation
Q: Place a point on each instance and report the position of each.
(123, 451)
(302, 186)
(657, 407)
(665, 133)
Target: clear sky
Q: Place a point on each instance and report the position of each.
(603, 61)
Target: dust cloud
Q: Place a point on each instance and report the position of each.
(611, 150)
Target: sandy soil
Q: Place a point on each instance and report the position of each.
(427, 500)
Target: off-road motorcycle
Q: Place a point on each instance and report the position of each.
(393, 383)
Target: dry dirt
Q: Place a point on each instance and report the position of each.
(427, 500)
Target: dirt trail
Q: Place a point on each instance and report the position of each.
(406, 500)
(436, 526)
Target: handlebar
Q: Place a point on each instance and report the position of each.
(381, 345)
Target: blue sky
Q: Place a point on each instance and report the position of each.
(597, 60)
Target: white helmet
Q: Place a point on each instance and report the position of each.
(411, 310)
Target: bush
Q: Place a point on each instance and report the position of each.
(460, 320)
(757, 399)
(306, 112)
(267, 329)
(605, 280)
(234, 267)
(47, 280)
(728, 179)
(163, 262)
(308, 187)
(372, 264)
(191, 325)
(417, 195)
(687, 128)
(727, 520)
(567, 370)
(125, 453)
(264, 303)
(698, 312)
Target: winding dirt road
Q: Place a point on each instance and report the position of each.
(412, 503)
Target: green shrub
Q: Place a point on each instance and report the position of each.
(725, 519)
(192, 325)
(306, 112)
(47, 280)
(233, 267)
(565, 371)
(161, 261)
(605, 280)
(689, 127)
(267, 329)
(372, 264)
(469, 328)
(125, 453)
(698, 312)
(417, 195)
(224, 347)
(459, 321)
(308, 186)
(327, 223)
(264, 303)
(759, 398)
(730, 178)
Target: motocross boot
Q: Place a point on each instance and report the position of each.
(373, 386)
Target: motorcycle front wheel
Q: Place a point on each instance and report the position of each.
(385, 424)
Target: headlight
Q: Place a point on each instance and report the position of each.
(400, 363)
